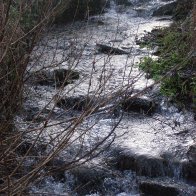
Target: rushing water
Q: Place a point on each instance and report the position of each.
(149, 139)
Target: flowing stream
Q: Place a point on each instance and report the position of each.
(146, 149)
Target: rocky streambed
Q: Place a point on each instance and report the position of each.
(90, 69)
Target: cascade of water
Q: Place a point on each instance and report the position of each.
(144, 134)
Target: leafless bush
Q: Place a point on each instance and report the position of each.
(22, 25)
(66, 119)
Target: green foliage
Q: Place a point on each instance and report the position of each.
(152, 67)
(174, 87)
(174, 47)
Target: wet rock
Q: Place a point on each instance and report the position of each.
(123, 2)
(192, 153)
(61, 74)
(1, 181)
(141, 105)
(34, 114)
(79, 103)
(194, 117)
(142, 164)
(30, 149)
(145, 164)
(110, 50)
(165, 18)
(56, 168)
(168, 9)
(155, 188)
(190, 167)
(88, 179)
(58, 78)
(189, 171)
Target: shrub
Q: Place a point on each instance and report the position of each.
(174, 49)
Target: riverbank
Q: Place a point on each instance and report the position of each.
(173, 46)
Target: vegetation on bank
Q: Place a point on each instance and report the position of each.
(173, 45)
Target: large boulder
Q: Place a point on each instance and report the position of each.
(144, 164)
(89, 179)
